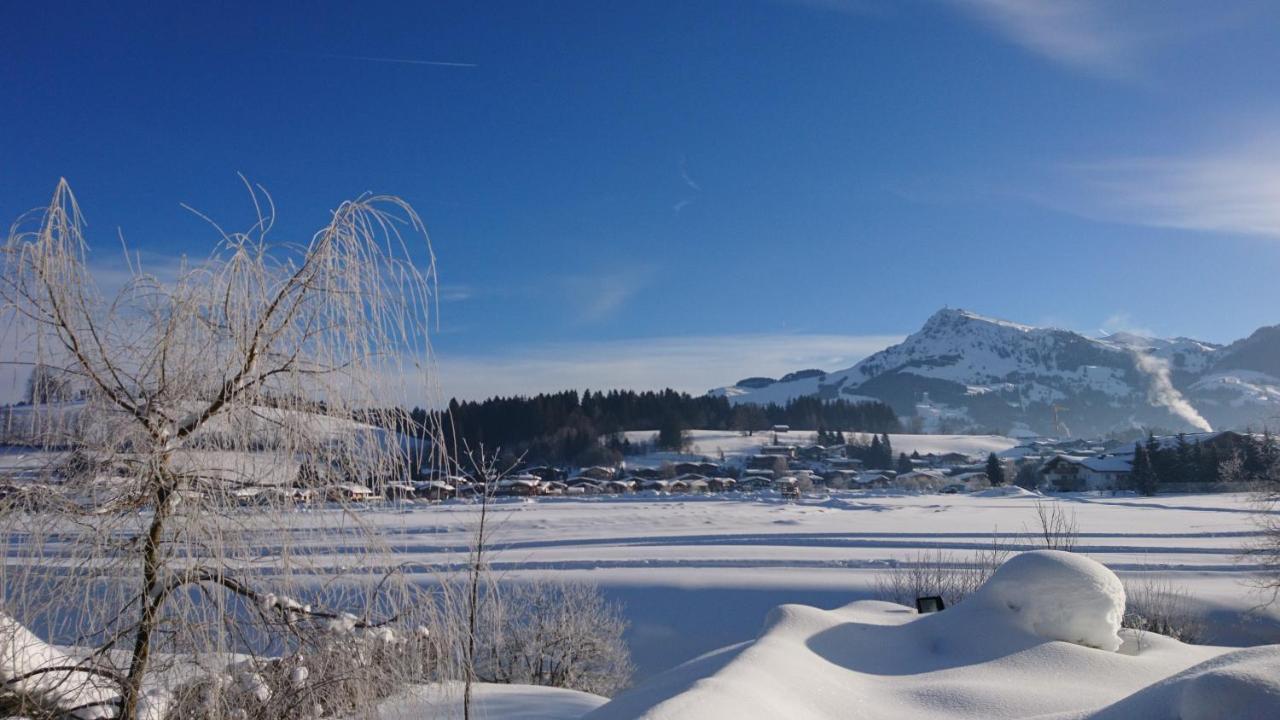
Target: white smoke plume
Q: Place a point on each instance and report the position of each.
(1162, 392)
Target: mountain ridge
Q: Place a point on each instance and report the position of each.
(964, 370)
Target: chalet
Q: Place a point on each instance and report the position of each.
(597, 473)
(787, 486)
(971, 480)
(618, 487)
(840, 479)
(1072, 473)
(399, 491)
(922, 480)
(656, 485)
(845, 463)
(873, 479)
(435, 490)
(812, 453)
(786, 451)
(763, 462)
(518, 486)
(699, 486)
(780, 428)
(696, 468)
(946, 459)
(721, 484)
(349, 492)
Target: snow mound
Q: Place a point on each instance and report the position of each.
(1242, 685)
(1031, 643)
(1005, 491)
(492, 702)
(1057, 595)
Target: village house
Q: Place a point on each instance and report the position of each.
(1071, 473)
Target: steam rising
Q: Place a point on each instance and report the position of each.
(1162, 392)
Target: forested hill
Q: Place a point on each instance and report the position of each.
(565, 427)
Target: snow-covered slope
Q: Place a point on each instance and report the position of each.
(968, 370)
(1040, 638)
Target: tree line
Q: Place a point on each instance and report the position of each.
(566, 427)
(1230, 459)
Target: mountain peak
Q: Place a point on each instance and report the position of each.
(949, 317)
(963, 369)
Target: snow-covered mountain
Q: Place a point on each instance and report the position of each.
(963, 370)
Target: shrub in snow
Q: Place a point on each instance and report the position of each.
(1059, 596)
(339, 675)
(1159, 607)
(36, 679)
(558, 634)
(948, 575)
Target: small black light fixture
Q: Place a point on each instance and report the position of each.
(930, 604)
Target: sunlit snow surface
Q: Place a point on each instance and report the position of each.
(1040, 639)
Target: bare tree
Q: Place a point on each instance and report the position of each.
(1058, 528)
(213, 405)
(1265, 549)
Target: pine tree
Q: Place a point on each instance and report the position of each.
(874, 454)
(904, 464)
(995, 470)
(1143, 476)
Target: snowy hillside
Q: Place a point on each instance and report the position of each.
(735, 445)
(965, 370)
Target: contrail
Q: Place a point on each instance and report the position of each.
(401, 61)
(684, 174)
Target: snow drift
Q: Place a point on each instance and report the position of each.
(1041, 638)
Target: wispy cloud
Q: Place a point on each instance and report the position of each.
(1123, 322)
(398, 61)
(455, 292)
(1228, 189)
(1082, 34)
(596, 297)
(689, 182)
(692, 364)
(684, 175)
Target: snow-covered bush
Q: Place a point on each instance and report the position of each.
(1158, 606)
(341, 673)
(554, 633)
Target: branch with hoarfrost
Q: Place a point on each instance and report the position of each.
(258, 372)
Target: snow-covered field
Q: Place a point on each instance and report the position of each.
(700, 572)
(733, 444)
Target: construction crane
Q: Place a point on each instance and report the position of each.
(1060, 427)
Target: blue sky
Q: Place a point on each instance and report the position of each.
(684, 193)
